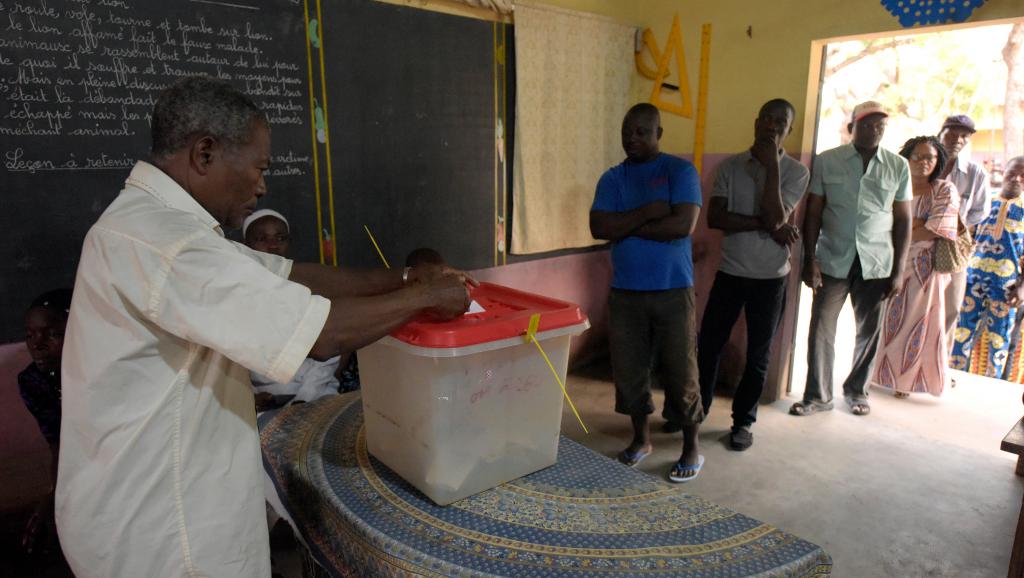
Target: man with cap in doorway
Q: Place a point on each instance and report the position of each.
(856, 236)
(971, 180)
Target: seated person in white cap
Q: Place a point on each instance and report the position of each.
(268, 231)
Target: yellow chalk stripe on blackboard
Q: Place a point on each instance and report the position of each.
(312, 128)
(327, 138)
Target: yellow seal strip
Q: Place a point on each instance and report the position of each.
(531, 336)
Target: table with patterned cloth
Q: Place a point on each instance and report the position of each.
(587, 515)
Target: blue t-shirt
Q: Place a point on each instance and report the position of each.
(641, 264)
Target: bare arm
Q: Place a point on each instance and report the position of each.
(338, 282)
(720, 218)
(614, 226)
(902, 218)
(811, 231)
(680, 223)
(356, 321)
(773, 211)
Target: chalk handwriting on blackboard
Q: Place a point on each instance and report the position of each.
(89, 71)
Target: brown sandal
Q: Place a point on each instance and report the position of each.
(808, 407)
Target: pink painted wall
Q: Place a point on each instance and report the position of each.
(582, 279)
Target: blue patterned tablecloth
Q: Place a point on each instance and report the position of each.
(587, 515)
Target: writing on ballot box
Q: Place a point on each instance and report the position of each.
(459, 407)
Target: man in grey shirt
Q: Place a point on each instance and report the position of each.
(754, 194)
(971, 181)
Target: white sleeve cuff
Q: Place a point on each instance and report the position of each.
(302, 340)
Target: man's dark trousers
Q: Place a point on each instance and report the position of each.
(762, 300)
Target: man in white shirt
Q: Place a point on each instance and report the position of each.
(160, 469)
(971, 181)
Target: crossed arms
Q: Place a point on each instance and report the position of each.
(656, 221)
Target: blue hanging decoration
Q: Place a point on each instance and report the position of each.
(924, 12)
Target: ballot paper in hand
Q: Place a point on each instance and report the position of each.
(475, 307)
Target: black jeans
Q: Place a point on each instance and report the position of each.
(762, 300)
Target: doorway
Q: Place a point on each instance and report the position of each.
(920, 78)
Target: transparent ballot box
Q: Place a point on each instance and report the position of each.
(459, 407)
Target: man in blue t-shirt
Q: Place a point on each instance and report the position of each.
(647, 206)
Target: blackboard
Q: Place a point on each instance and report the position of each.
(79, 81)
(413, 137)
(409, 102)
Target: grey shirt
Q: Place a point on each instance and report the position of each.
(740, 180)
(971, 181)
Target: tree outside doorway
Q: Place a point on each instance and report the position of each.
(922, 78)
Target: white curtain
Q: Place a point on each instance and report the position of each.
(573, 85)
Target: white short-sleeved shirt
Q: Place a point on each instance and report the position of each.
(857, 220)
(740, 180)
(160, 471)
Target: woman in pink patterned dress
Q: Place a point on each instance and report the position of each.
(912, 355)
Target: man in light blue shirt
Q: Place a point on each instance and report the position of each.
(856, 235)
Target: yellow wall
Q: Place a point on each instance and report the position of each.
(744, 71)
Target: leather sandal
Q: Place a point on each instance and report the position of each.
(809, 407)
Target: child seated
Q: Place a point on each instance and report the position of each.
(268, 231)
(313, 380)
(39, 387)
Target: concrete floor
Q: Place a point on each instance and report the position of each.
(918, 488)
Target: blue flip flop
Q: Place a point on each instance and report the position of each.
(681, 474)
(631, 459)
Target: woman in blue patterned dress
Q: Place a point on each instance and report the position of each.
(994, 291)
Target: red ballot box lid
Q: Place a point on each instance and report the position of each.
(506, 314)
